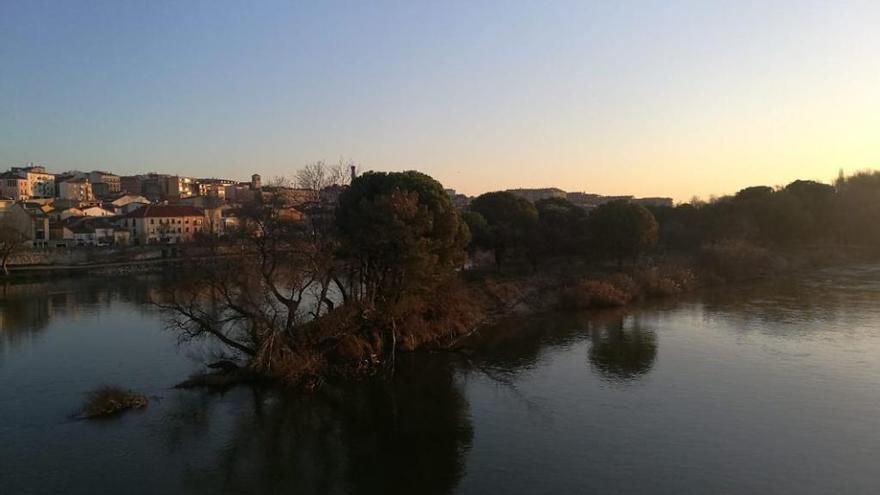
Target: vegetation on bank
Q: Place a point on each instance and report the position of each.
(110, 400)
(395, 267)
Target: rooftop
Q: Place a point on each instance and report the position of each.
(166, 211)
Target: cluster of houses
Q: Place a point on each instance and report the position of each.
(101, 209)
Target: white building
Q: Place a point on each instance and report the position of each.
(40, 184)
(165, 224)
(76, 190)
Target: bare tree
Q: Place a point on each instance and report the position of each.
(257, 295)
(12, 240)
(319, 175)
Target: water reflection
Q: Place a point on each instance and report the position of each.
(407, 435)
(798, 306)
(27, 308)
(622, 350)
(731, 403)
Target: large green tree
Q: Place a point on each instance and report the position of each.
(402, 232)
(622, 229)
(512, 221)
(561, 226)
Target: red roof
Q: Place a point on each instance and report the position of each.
(166, 211)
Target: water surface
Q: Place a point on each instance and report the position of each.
(773, 388)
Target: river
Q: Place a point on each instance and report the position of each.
(767, 388)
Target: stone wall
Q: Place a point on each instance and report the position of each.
(84, 255)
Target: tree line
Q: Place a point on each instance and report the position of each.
(802, 212)
(381, 270)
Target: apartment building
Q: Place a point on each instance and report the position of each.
(76, 190)
(104, 183)
(164, 224)
(12, 186)
(40, 184)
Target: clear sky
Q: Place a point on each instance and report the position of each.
(674, 98)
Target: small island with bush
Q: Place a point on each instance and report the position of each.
(110, 400)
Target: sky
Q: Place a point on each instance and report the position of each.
(651, 98)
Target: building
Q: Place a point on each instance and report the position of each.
(104, 183)
(176, 187)
(153, 186)
(459, 201)
(13, 186)
(589, 201)
(40, 184)
(657, 202)
(32, 222)
(131, 184)
(97, 211)
(539, 194)
(76, 190)
(93, 232)
(240, 193)
(212, 187)
(164, 224)
(127, 203)
(60, 214)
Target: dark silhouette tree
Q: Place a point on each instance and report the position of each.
(561, 226)
(12, 240)
(481, 233)
(512, 221)
(621, 229)
(403, 233)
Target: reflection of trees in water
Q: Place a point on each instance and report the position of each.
(622, 350)
(27, 308)
(793, 306)
(406, 435)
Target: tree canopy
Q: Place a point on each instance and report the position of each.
(403, 231)
(623, 229)
(511, 220)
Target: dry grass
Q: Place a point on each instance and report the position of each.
(593, 294)
(110, 400)
(666, 280)
(739, 260)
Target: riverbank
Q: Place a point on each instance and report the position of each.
(348, 345)
(489, 295)
(105, 261)
(577, 284)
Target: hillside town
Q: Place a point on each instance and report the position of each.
(101, 209)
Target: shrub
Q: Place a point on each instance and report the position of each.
(108, 400)
(738, 260)
(666, 280)
(593, 294)
(626, 284)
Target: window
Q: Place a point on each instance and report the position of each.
(152, 221)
